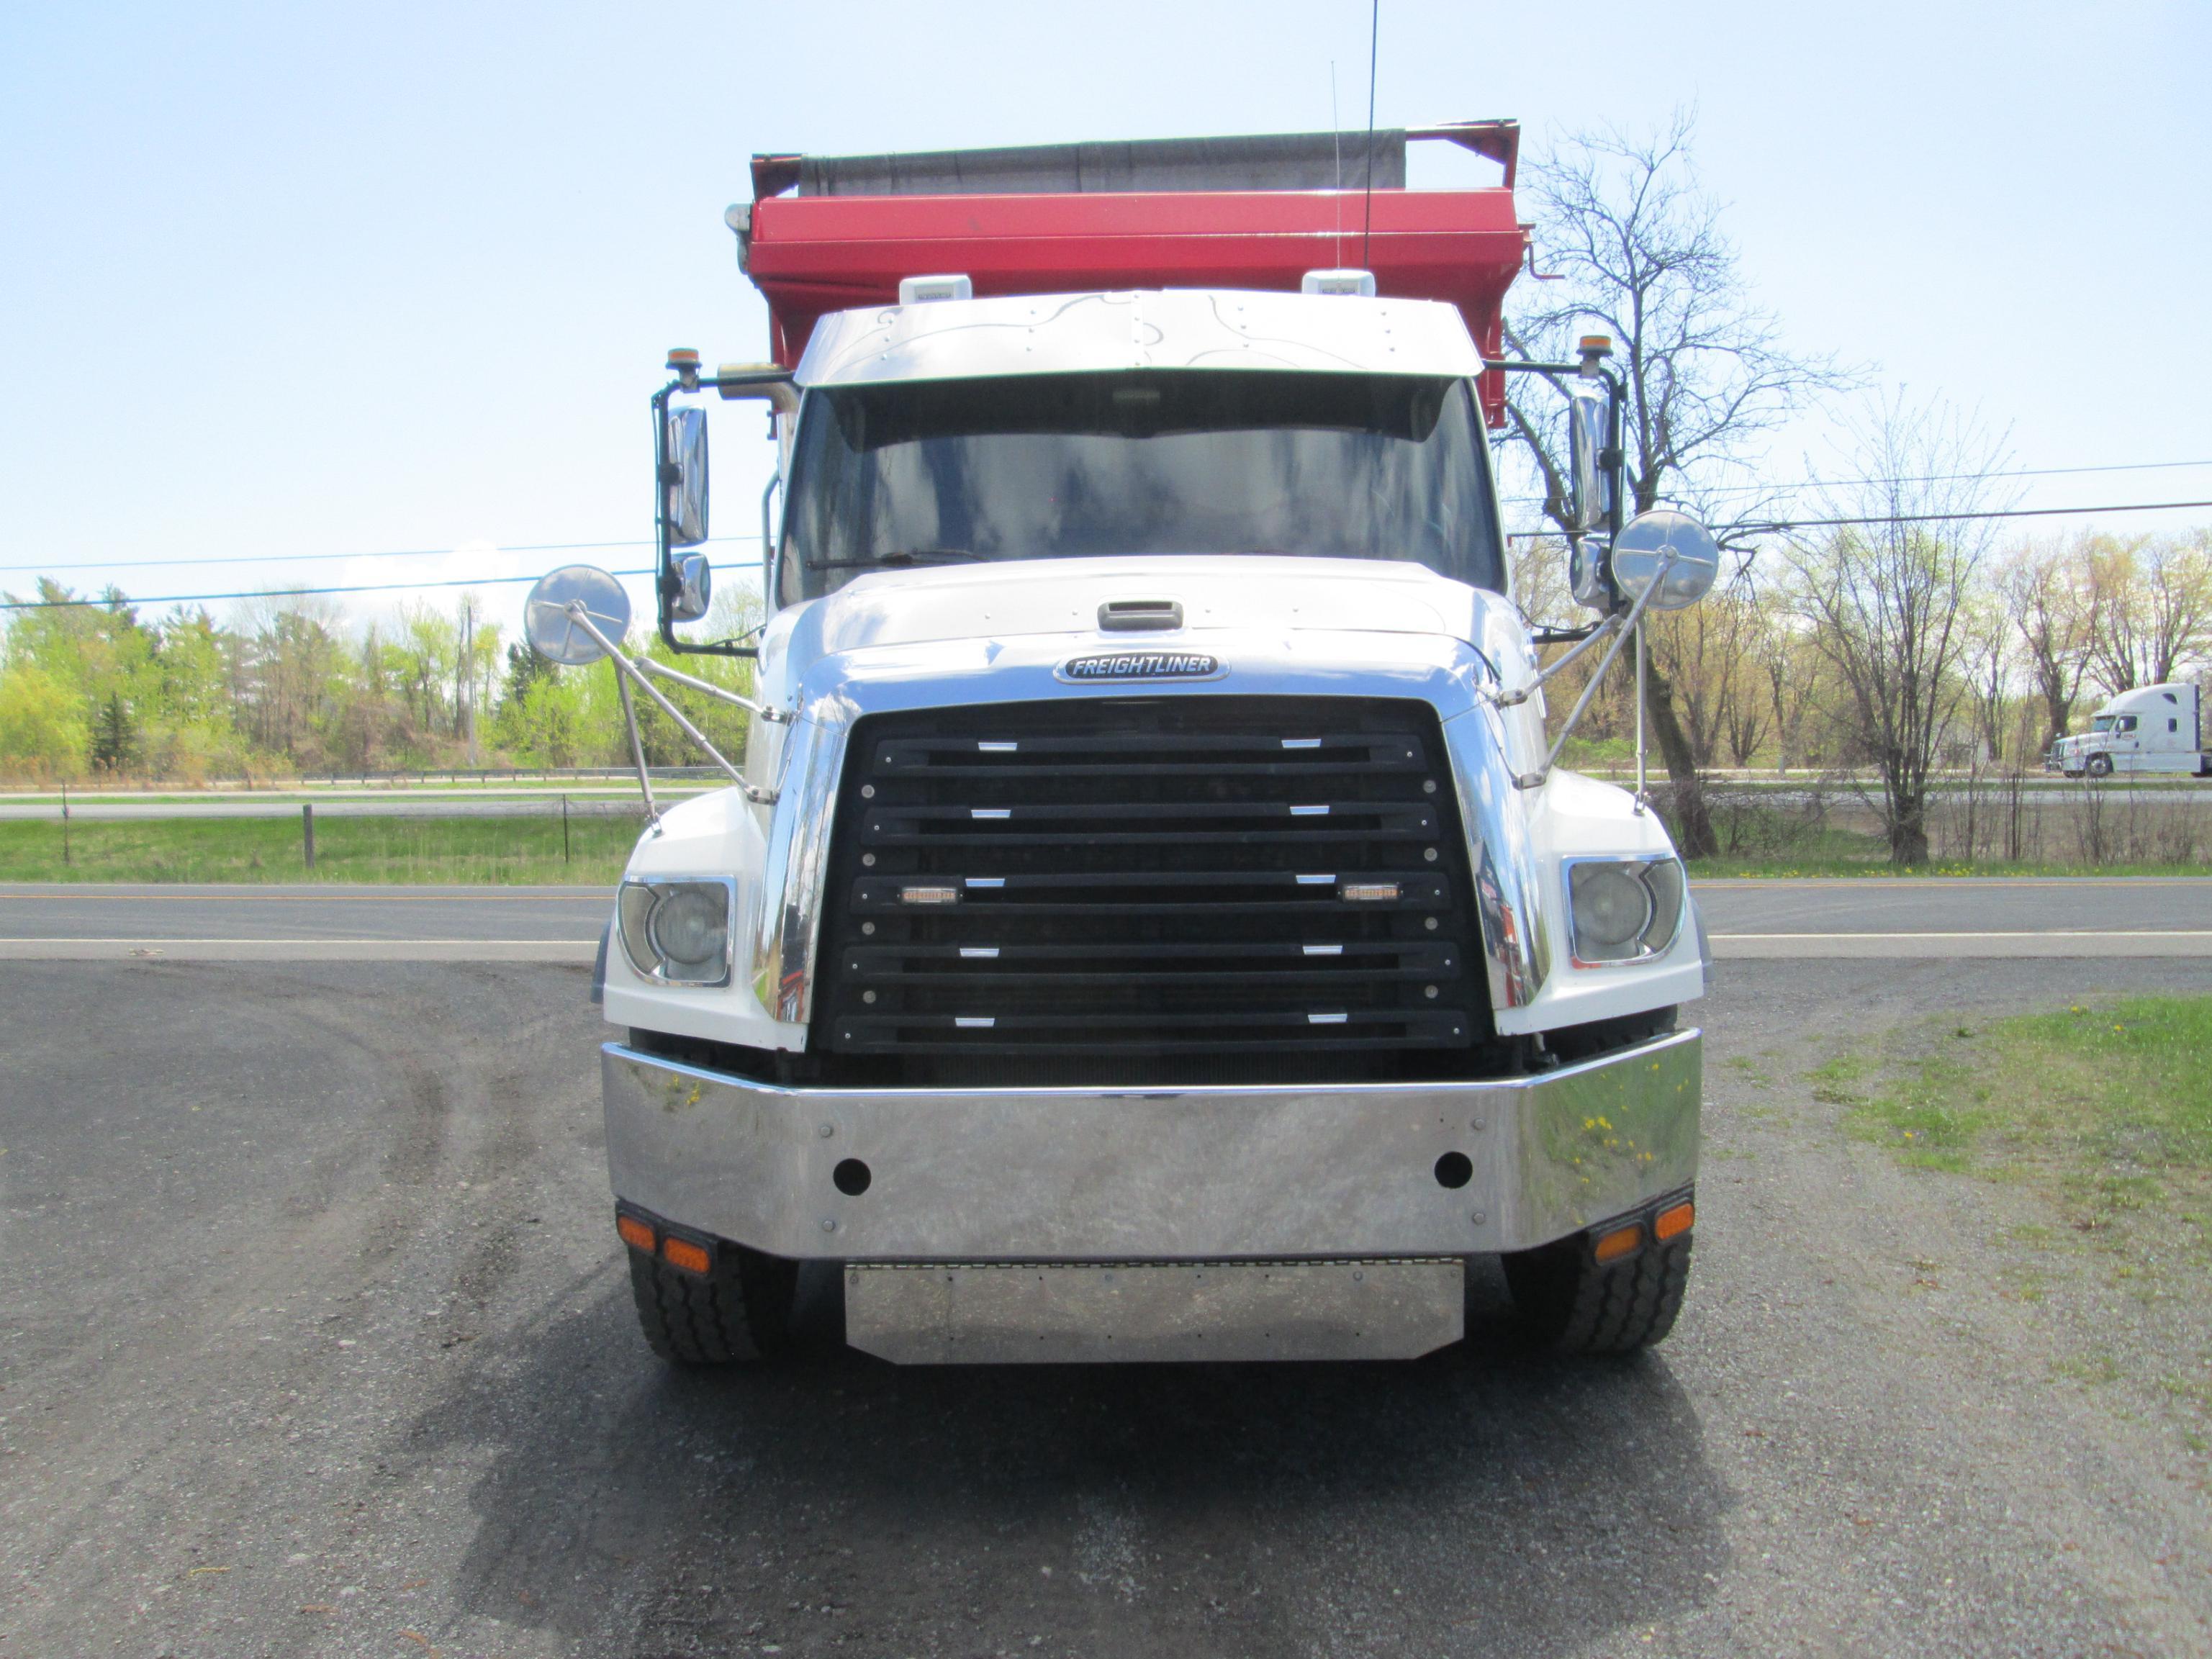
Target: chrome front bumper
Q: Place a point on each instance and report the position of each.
(1250, 1172)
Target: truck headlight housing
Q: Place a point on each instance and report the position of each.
(1623, 909)
(679, 931)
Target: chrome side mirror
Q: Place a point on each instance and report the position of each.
(551, 626)
(684, 478)
(693, 587)
(1671, 548)
(1589, 481)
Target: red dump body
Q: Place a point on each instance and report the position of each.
(843, 248)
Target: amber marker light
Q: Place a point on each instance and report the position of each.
(638, 1235)
(1369, 892)
(1619, 1243)
(683, 1253)
(1675, 1218)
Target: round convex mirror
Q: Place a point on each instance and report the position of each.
(554, 632)
(1642, 549)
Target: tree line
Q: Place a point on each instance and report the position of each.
(289, 687)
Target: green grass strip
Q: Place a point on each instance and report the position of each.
(519, 851)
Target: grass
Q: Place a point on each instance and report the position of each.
(2104, 1111)
(2109, 1108)
(368, 849)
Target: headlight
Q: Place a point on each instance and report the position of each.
(1623, 909)
(678, 932)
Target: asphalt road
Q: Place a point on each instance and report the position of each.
(317, 1342)
(1870, 917)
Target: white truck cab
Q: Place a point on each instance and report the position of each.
(2153, 728)
(1148, 921)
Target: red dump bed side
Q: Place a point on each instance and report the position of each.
(810, 254)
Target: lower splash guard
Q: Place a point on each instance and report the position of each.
(1076, 1313)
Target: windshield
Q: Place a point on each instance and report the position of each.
(2100, 723)
(1363, 466)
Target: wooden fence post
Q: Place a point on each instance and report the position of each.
(307, 829)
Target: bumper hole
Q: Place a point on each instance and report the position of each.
(1455, 1169)
(852, 1177)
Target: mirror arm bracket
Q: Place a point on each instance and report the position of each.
(752, 793)
(1629, 628)
(1585, 641)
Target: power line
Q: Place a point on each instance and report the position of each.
(272, 594)
(1953, 518)
(1922, 518)
(328, 558)
(1938, 477)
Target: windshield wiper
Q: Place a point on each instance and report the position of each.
(905, 555)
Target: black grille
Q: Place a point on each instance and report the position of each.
(1192, 889)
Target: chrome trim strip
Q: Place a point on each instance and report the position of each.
(1507, 896)
(798, 863)
(1240, 1171)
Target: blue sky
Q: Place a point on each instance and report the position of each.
(281, 282)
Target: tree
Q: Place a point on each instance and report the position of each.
(114, 735)
(2049, 602)
(1640, 256)
(1888, 598)
(2151, 612)
(41, 729)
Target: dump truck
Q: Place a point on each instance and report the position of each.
(2153, 728)
(1148, 920)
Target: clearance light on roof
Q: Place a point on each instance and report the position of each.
(922, 290)
(1358, 283)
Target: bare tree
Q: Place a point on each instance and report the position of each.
(1987, 662)
(1638, 249)
(2053, 611)
(2153, 611)
(1889, 599)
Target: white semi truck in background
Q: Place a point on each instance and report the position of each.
(2153, 728)
(1147, 920)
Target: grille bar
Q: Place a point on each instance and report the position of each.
(1127, 887)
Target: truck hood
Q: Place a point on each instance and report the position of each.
(1009, 600)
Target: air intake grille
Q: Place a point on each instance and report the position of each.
(1194, 888)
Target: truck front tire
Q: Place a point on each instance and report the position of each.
(1571, 1303)
(737, 1312)
(2100, 766)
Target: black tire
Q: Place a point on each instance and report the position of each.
(740, 1312)
(1570, 1304)
(2100, 766)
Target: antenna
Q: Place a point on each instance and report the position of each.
(1367, 208)
(1336, 144)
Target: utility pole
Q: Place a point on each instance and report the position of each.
(468, 674)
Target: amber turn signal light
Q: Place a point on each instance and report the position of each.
(1619, 1243)
(683, 1253)
(1675, 1218)
(638, 1235)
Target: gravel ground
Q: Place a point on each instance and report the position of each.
(317, 1341)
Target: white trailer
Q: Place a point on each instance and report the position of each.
(2153, 728)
